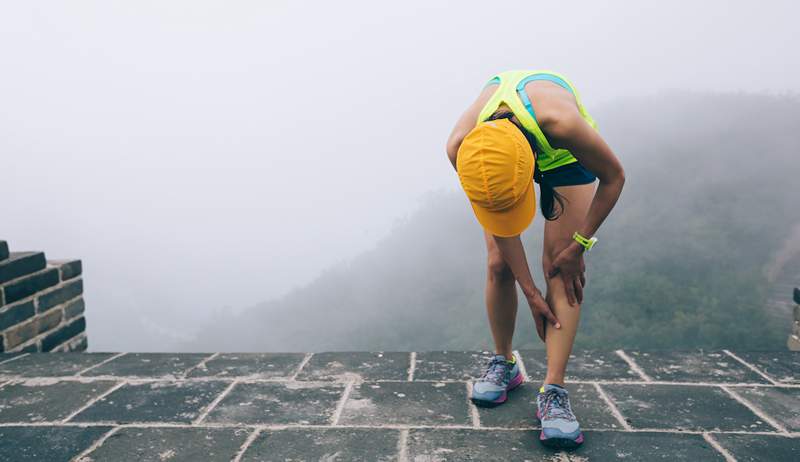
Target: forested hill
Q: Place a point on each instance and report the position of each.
(713, 182)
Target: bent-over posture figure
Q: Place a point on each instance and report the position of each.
(525, 127)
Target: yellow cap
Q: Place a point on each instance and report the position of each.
(495, 165)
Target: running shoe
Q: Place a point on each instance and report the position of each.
(560, 428)
(492, 388)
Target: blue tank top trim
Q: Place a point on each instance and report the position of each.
(523, 95)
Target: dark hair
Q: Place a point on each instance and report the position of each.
(548, 195)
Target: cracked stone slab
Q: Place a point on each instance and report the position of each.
(442, 445)
(782, 404)
(171, 444)
(51, 364)
(334, 444)
(450, 365)
(51, 444)
(250, 366)
(585, 365)
(278, 403)
(179, 402)
(751, 448)
(150, 365)
(694, 366)
(38, 400)
(781, 366)
(520, 409)
(356, 366)
(683, 407)
(410, 403)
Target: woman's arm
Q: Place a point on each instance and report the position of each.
(569, 130)
(563, 124)
(514, 254)
(467, 122)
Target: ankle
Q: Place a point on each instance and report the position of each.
(554, 380)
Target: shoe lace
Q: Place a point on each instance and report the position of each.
(496, 371)
(556, 405)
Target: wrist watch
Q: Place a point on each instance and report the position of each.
(583, 241)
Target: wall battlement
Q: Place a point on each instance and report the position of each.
(794, 338)
(41, 303)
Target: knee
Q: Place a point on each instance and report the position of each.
(498, 269)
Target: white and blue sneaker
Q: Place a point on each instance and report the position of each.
(560, 428)
(501, 376)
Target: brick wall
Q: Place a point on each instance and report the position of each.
(41, 303)
(794, 337)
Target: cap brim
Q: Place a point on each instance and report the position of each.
(512, 221)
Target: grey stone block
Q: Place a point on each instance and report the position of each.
(781, 366)
(63, 333)
(74, 308)
(50, 444)
(68, 268)
(583, 365)
(59, 295)
(694, 366)
(752, 448)
(11, 315)
(176, 402)
(153, 365)
(334, 444)
(444, 445)
(250, 366)
(520, 409)
(782, 404)
(3, 250)
(29, 285)
(683, 407)
(51, 364)
(22, 333)
(356, 366)
(45, 401)
(407, 403)
(278, 403)
(20, 264)
(171, 444)
(450, 365)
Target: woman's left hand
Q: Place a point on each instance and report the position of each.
(569, 264)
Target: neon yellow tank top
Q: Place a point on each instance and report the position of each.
(511, 91)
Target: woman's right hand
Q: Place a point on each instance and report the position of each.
(541, 313)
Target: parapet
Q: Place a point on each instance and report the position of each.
(41, 303)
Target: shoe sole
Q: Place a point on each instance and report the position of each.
(559, 443)
(503, 398)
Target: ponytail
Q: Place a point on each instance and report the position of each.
(548, 195)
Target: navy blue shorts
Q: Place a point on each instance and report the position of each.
(569, 175)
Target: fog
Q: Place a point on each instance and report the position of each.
(203, 157)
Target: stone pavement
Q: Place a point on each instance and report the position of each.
(694, 405)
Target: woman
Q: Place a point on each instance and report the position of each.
(531, 125)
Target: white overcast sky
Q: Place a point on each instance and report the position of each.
(199, 155)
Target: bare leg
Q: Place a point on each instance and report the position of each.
(557, 235)
(501, 298)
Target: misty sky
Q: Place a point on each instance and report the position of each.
(206, 155)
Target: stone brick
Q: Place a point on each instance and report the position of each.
(14, 314)
(362, 444)
(60, 294)
(20, 334)
(161, 365)
(356, 365)
(3, 250)
(65, 332)
(781, 366)
(20, 264)
(51, 364)
(46, 401)
(746, 448)
(694, 366)
(29, 285)
(172, 444)
(68, 268)
(74, 308)
(46, 443)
